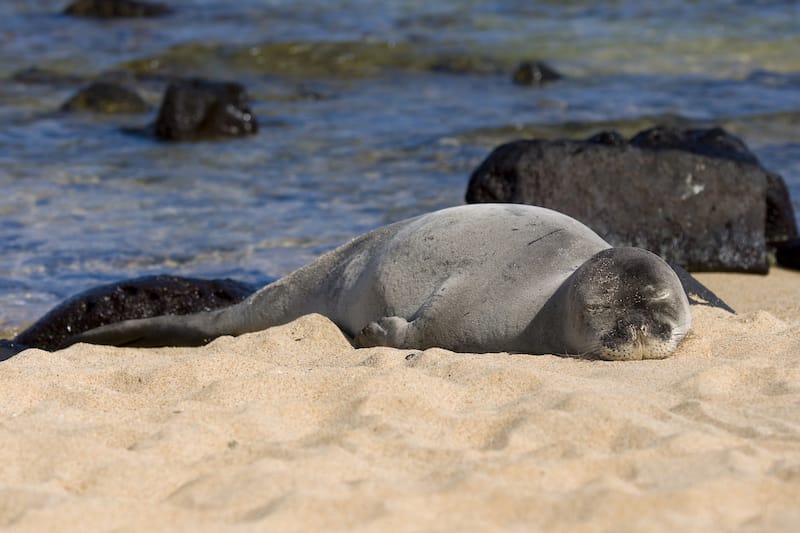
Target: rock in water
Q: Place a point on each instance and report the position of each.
(103, 97)
(200, 109)
(698, 198)
(115, 9)
(534, 73)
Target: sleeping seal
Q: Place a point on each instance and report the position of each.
(475, 278)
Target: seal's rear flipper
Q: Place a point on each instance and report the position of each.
(125, 333)
(130, 299)
(168, 330)
(698, 293)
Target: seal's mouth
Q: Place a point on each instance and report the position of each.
(634, 351)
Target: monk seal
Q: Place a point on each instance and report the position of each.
(474, 278)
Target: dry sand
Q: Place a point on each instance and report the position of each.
(292, 429)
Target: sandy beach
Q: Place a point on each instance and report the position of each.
(292, 429)
(214, 139)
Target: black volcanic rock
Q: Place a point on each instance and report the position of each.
(115, 9)
(698, 198)
(716, 142)
(534, 73)
(39, 76)
(787, 254)
(134, 298)
(9, 349)
(200, 109)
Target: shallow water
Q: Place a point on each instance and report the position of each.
(360, 124)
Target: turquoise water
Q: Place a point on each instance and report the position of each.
(358, 126)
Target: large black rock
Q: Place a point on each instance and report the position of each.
(134, 298)
(200, 109)
(697, 198)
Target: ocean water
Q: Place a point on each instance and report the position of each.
(370, 112)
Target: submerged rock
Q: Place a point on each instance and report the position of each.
(698, 198)
(200, 109)
(37, 75)
(303, 60)
(296, 60)
(104, 97)
(135, 298)
(534, 73)
(464, 64)
(115, 9)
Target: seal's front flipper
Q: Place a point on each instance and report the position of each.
(388, 331)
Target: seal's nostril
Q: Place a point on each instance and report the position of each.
(632, 329)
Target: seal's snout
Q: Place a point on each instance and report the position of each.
(636, 337)
(637, 329)
(625, 331)
(633, 330)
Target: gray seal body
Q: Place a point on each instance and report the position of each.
(476, 278)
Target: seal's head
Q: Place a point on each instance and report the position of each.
(625, 304)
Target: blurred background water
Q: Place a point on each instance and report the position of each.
(370, 112)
